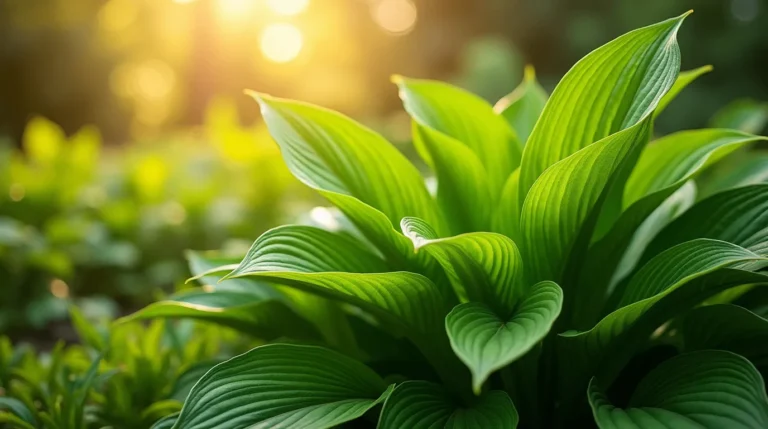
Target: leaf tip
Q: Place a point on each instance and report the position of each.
(397, 79)
(529, 73)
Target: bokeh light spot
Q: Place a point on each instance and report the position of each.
(281, 43)
(17, 192)
(59, 289)
(395, 16)
(288, 7)
(745, 10)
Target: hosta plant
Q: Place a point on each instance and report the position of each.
(563, 274)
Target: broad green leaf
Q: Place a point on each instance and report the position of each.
(738, 216)
(684, 260)
(561, 209)
(423, 405)
(282, 386)
(486, 342)
(669, 210)
(727, 327)
(310, 250)
(468, 119)
(266, 318)
(463, 189)
(506, 217)
(664, 167)
(623, 80)
(523, 106)
(683, 79)
(486, 266)
(746, 115)
(166, 422)
(209, 268)
(709, 389)
(739, 169)
(332, 153)
(677, 157)
(605, 348)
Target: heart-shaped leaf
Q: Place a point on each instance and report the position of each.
(282, 386)
(709, 389)
(624, 80)
(421, 405)
(486, 342)
(468, 119)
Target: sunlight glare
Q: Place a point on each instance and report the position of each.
(281, 43)
(234, 10)
(288, 7)
(395, 16)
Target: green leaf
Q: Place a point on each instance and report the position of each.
(624, 80)
(282, 386)
(486, 342)
(739, 169)
(664, 167)
(18, 409)
(746, 115)
(463, 189)
(668, 285)
(166, 422)
(87, 332)
(506, 217)
(310, 250)
(674, 159)
(727, 327)
(708, 389)
(683, 79)
(12, 419)
(670, 209)
(265, 318)
(466, 118)
(419, 405)
(523, 106)
(684, 260)
(561, 209)
(737, 216)
(332, 153)
(484, 266)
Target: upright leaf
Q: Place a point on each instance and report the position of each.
(506, 218)
(334, 154)
(561, 209)
(421, 405)
(463, 187)
(683, 80)
(709, 389)
(468, 119)
(523, 106)
(282, 386)
(624, 80)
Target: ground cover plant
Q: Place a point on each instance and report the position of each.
(565, 273)
(557, 276)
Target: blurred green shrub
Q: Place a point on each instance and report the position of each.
(79, 219)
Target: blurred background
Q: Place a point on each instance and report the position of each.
(125, 137)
